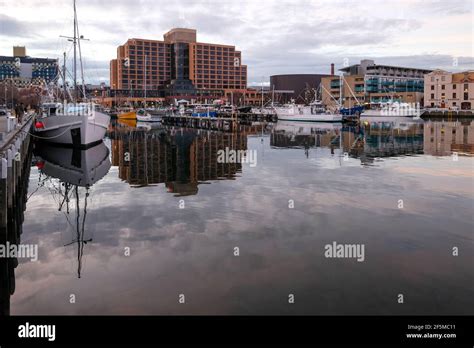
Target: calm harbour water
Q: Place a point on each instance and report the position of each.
(140, 183)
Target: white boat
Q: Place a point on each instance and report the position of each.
(79, 125)
(263, 111)
(144, 116)
(393, 109)
(315, 112)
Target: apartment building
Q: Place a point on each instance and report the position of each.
(367, 83)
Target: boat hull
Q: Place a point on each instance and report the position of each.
(74, 130)
(305, 114)
(311, 118)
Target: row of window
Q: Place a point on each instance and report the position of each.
(443, 95)
(214, 48)
(466, 86)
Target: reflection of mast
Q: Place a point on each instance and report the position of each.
(68, 171)
(80, 229)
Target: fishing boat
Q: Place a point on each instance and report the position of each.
(79, 124)
(203, 111)
(315, 112)
(76, 124)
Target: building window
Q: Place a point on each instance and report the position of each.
(454, 95)
(454, 86)
(432, 95)
(432, 87)
(466, 86)
(443, 86)
(443, 78)
(465, 96)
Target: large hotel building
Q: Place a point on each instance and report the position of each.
(368, 82)
(178, 66)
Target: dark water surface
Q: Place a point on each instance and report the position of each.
(134, 205)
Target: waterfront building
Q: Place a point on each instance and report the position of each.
(24, 71)
(177, 66)
(448, 90)
(368, 82)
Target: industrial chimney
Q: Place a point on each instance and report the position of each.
(332, 68)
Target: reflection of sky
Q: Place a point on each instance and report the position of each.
(189, 251)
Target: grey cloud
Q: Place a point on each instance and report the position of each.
(11, 27)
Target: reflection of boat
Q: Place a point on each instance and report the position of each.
(73, 166)
(76, 170)
(315, 112)
(148, 125)
(288, 134)
(306, 127)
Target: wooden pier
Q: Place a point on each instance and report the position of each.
(15, 160)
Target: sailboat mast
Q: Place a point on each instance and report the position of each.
(64, 75)
(75, 53)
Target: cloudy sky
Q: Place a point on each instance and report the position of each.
(275, 36)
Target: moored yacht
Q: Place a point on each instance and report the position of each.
(315, 112)
(79, 125)
(145, 116)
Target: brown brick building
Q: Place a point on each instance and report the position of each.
(179, 63)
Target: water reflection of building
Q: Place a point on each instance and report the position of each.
(180, 158)
(392, 138)
(444, 138)
(372, 139)
(304, 135)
